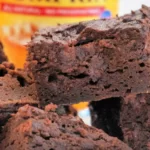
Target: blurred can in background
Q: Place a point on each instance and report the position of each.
(21, 18)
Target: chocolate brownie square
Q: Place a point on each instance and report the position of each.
(92, 60)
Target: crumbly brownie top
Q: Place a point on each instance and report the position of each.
(32, 128)
(77, 34)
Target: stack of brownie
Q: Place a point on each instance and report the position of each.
(105, 62)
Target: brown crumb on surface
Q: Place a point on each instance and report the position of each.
(51, 107)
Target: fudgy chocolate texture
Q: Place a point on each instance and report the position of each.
(2, 55)
(35, 129)
(16, 90)
(92, 60)
(135, 121)
(128, 119)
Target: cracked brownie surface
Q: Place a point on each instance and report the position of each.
(92, 60)
(32, 128)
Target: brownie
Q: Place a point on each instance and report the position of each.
(135, 121)
(126, 118)
(32, 128)
(16, 90)
(92, 60)
(2, 55)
